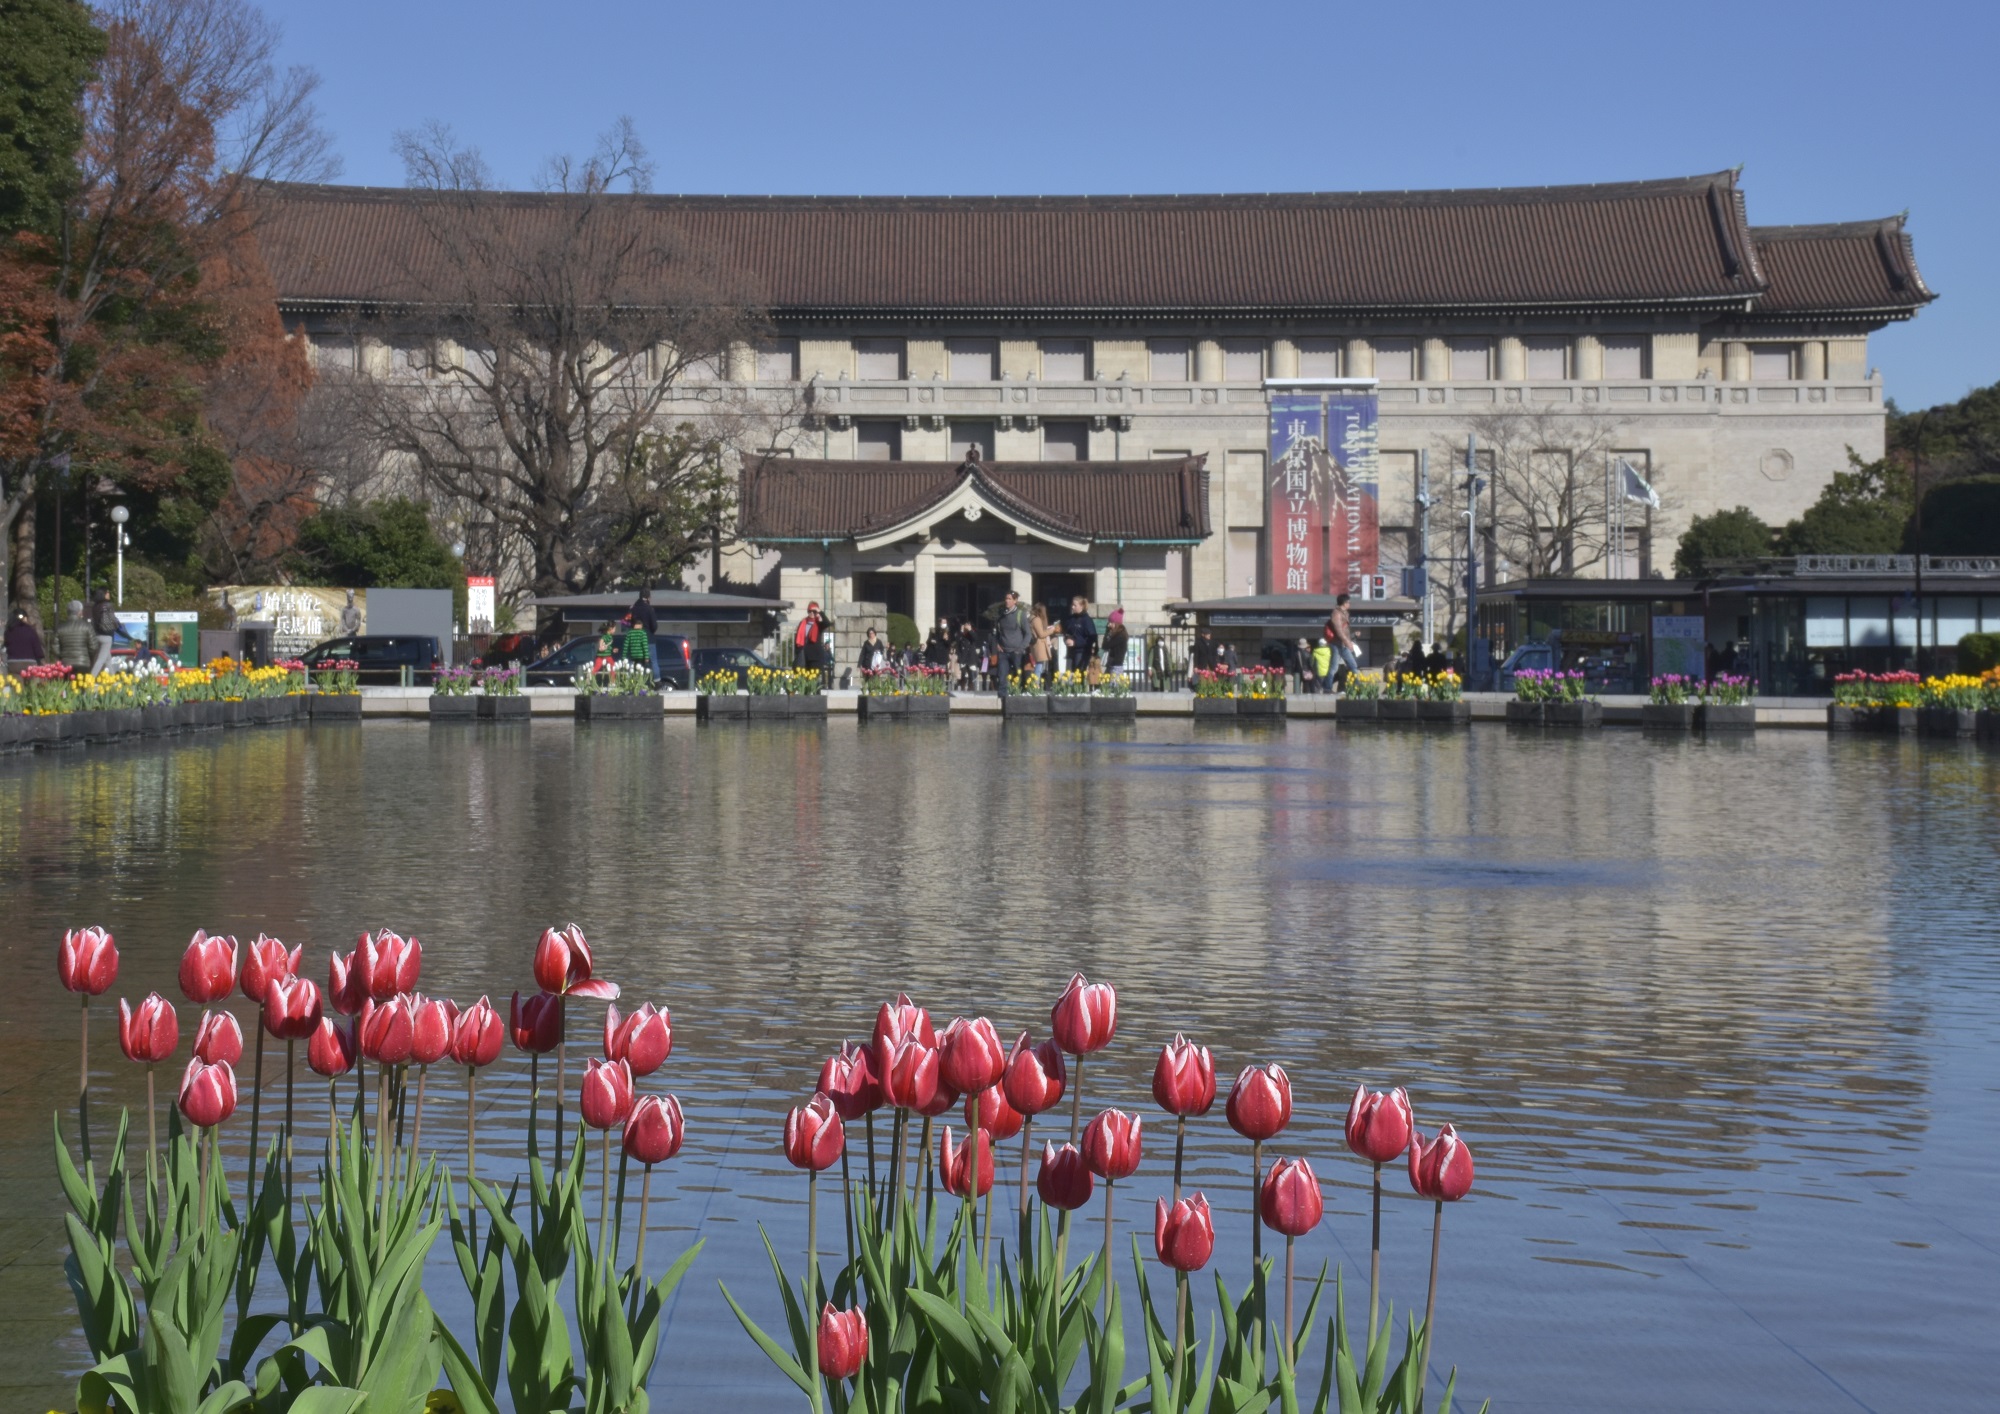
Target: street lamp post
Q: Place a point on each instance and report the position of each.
(119, 515)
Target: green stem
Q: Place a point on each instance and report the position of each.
(812, 1286)
(1430, 1305)
(1375, 1261)
(618, 1208)
(1076, 1102)
(83, 1084)
(256, 1114)
(645, 1202)
(1180, 1334)
(472, 1149)
(1027, 1123)
(1180, 1152)
(604, 1198)
(291, 1055)
(1290, 1353)
(847, 1202)
(1107, 1252)
(152, 1145)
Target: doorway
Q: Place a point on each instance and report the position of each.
(975, 598)
(1056, 590)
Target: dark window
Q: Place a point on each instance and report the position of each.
(878, 442)
(1065, 441)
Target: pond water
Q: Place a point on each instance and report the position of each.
(1721, 1022)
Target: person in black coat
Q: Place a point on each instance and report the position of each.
(1080, 634)
(1205, 649)
(937, 648)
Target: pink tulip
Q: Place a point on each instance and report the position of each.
(654, 1130)
(1290, 1201)
(989, 1110)
(264, 961)
(1184, 1078)
(1111, 1144)
(431, 1025)
(1085, 1016)
(332, 1049)
(208, 968)
(388, 1032)
(563, 966)
(966, 1170)
(848, 1079)
(814, 1135)
(149, 1034)
(909, 1073)
(87, 962)
(642, 1040)
(218, 1038)
(1035, 1076)
(536, 1023)
(903, 1020)
(970, 1057)
(477, 1035)
(208, 1093)
(1442, 1169)
(390, 964)
(1378, 1124)
(1064, 1180)
(1183, 1233)
(1260, 1103)
(291, 1007)
(606, 1098)
(843, 1343)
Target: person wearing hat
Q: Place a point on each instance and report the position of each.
(810, 641)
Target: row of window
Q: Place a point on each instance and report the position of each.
(880, 440)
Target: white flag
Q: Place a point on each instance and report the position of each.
(1635, 487)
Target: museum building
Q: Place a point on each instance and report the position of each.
(1073, 394)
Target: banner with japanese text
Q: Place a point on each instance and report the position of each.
(1323, 523)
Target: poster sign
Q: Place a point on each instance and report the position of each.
(299, 616)
(177, 635)
(1680, 645)
(1324, 505)
(136, 626)
(481, 607)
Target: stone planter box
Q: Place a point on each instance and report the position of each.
(1573, 714)
(882, 709)
(1117, 709)
(13, 733)
(1069, 706)
(1714, 717)
(1844, 719)
(1668, 716)
(1893, 719)
(453, 709)
(1267, 708)
(1988, 725)
(721, 706)
(1450, 714)
(1526, 714)
(929, 709)
(1946, 721)
(1397, 709)
(811, 705)
(127, 723)
(1024, 704)
(335, 707)
(503, 709)
(1215, 707)
(51, 733)
(1357, 709)
(604, 707)
(234, 714)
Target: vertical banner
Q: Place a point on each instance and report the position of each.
(1324, 507)
(481, 603)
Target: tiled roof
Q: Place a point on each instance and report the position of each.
(1851, 267)
(1635, 244)
(796, 498)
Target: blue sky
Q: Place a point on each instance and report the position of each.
(1837, 111)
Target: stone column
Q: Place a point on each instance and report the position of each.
(1812, 361)
(1513, 359)
(1360, 361)
(1589, 358)
(1284, 359)
(742, 363)
(923, 605)
(1736, 362)
(1207, 361)
(1437, 361)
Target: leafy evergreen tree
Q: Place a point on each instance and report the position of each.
(1716, 539)
(388, 544)
(50, 51)
(1961, 517)
(1862, 511)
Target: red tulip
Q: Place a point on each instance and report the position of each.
(1184, 1078)
(606, 1101)
(814, 1135)
(536, 1023)
(970, 1056)
(264, 961)
(966, 1170)
(87, 962)
(1378, 1124)
(642, 1040)
(332, 1049)
(1441, 1169)
(432, 1021)
(562, 966)
(843, 1343)
(346, 983)
(848, 1079)
(390, 964)
(909, 1072)
(388, 1032)
(208, 968)
(1036, 1076)
(1290, 1201)
(1260, 1103)
(476, 1035)
(208, 1093)
(218, 1038)
(901, 1020)
(1183, 1233)
(1064, 1181)
(291, 1007)
(653, 1131)
(150, 1034)
(942, 1100)
(989, 1110)
(1085, 1016)
(1111, 1144)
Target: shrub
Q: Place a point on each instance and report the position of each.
(1978, 652)
(1725, 536)
(903, 632)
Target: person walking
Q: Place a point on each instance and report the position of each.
(874, 653)
(1116, 641)
(971, 657)
(1203, 659)
(1041, 651)
(1339, 632)
(1013, 638)
(76, 640)
(1080, 635)
(104, 619)
(24, 643)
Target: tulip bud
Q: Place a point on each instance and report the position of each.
(848, 1079)
(476, 1035)
(843, 1343)
(642, 1040)
(902, 1020)
(432, 1021)
(536, 1024)
(208, 1093)
(563, 965)
(1290, 1201)
(653, 1132)
(814, 1135)
(332, 1048)
(87, 961)
(908, 1071)
(970, 1057)
(1085, 1016)
(1183, 1233)
(966, 1170)
(1184, 1078)
(1111, 1144)
(1378, 1125)
(264, 961)
(1064, 1180)
(391, 964)
(989, 1110)
(291, 1007)
(208, 968)
(1260, 1103)
(150, 1034)
(606, 1100)
(1442, 1169)
(388, 1033)
(346, 984)
(218, 1038)
(1036, 1076)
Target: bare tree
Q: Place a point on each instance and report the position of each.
(559, 369)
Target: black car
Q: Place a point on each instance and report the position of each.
(381, 657)
(559, 669)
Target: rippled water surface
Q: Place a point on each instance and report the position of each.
(1721, 1022)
